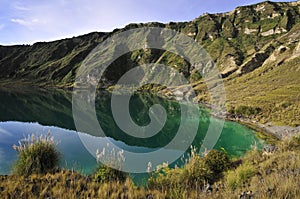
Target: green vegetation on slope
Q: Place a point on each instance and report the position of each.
(255, 48)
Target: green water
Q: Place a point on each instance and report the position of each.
(39, 111)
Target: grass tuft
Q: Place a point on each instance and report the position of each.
(36, 155)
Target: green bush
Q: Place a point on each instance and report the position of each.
(247, 110)
(107, 174)
(196, 172)
(36, 156)
(217, 161)
(165, 177)
(192, 175)
(110, 165)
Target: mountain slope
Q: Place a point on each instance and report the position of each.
(256, 49)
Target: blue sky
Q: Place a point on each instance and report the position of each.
(29, 21)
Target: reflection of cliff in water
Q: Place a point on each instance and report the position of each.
(54, 108)
(47, 107)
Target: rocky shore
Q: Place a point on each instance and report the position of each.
(279, 132)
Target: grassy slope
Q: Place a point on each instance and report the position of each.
(275, 175)
(276, 90)
(273, 89)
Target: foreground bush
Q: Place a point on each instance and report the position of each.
(197, 173)
(107, 174)
(110, 165)
(217, 161)
(36, 155)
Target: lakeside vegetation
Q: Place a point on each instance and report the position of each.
(271, 173)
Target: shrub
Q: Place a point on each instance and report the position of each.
(247, 110)
(217, 161)
(107, 174)
(196, 172)
(165, 177)
(192, 175)
(296, 141)
(36, 155)
(110, 165)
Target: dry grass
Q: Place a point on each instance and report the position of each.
(67, 184)
(275, 175)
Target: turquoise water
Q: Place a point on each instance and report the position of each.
(42, 111)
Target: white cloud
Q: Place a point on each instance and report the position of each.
(28, 23)
(21, 7)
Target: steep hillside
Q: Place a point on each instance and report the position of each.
(256, 49)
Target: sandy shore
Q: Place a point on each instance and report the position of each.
(280, 132)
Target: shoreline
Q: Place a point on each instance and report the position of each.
(278, 132)
(268, 130)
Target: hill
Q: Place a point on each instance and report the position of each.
(256, 48)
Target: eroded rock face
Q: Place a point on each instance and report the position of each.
(268, 33)
(296, 52)
(256, 61)
(248, 31)
(229, 65)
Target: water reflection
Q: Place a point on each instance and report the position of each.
(40, 111)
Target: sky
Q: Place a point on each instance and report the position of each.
(29, 21)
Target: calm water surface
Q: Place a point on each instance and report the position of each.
(42, 111)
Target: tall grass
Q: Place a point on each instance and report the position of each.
(194, 175)
(110, 164)
(239, 176)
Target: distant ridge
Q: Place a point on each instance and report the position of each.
(252, 46)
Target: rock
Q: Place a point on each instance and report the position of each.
(270, 148)
(242, 195)
(246, 195)
(268, 33)
(268, 171)
(256, 61)
(150, 196)
(68, 182)
(208, 188)
(270, 192)
(248, 31)
(249, 194)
